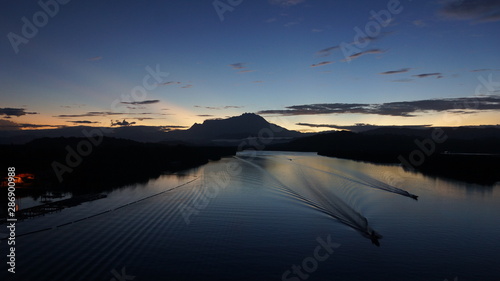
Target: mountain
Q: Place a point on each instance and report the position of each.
(230, 131)
(233, 130)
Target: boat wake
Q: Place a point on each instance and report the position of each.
(313, 193)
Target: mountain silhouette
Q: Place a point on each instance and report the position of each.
(233, 129)
(228, 131)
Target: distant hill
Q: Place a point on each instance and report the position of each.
(233, 130)
(230, 131)
(470, 154)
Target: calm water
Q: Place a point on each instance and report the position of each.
(259, 216)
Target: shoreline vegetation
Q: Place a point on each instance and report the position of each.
(473, 160)
(111, 164)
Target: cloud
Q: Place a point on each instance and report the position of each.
(238, 65)
(205, 115)
(484, 69)
(241, 67)
(477, 11)
(82, 122)
(258, 81)
(170, 128)
(316, 30)
(187, 86)
(270, 20)
(402, 109)
(95, 58)
(141, 102)
(327, 51)
(123, 123)
(321, 63)
(402, 70)
(357, 55)
(97, 114)
(286, 3)
(7, 125)
(169, 83)
(9, 111)
(359, 127)
(425, 75)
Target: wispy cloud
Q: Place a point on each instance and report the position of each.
(402, 109)
(187, 86)
(98, 114)
(7, 125)
(359, 127)
(169, 83)
(241, 67)
(328, 51)
(484, 69)
(322, 63)
(425, 75)
(237, 66)
(172, 127)
(82, 122)
(476, 11)
(402, 70)
(141, 102)
(205, 115)
(367, 52)
(9, 112)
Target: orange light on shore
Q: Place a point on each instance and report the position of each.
(21, 180)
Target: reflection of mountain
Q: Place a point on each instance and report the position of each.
(233, 130)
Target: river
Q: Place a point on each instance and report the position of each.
(271, 216)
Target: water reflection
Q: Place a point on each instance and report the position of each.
(315, 192)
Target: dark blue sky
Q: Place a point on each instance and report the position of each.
(313, 62)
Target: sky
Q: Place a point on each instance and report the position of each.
(307, 65)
